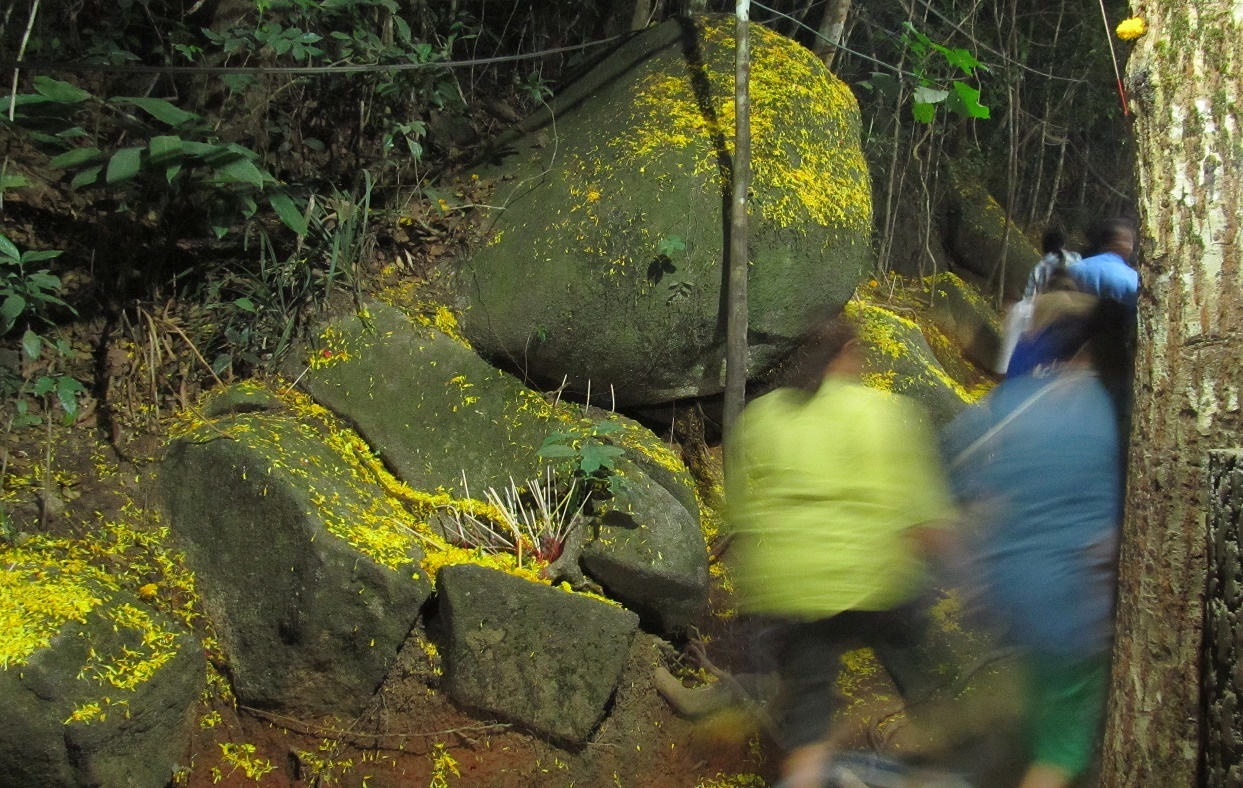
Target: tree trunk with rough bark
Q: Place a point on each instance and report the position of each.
(1186, 82)
(832, 26)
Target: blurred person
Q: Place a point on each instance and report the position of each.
(1056, 329)
(836, 491)
(1042, 454)
(1048, 274)
(1055, 260)
(1106, 272)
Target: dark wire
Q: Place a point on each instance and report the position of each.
(125, 68)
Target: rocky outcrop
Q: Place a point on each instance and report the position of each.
(898, 358)
(982, 241)
(604, 264)
(966, 318)
(438, 414)
(649, 554)
(543, 658)
(96, 688)
(309, 571)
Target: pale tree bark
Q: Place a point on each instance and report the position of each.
(831, 29)
(1186, 79)
(736, 350)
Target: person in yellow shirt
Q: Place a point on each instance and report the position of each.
(835, 492)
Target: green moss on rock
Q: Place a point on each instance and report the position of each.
(604, 267)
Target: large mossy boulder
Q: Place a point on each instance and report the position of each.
(984, 244)
(308, 569)
(544, 658)
(96, 688)
(648, 553)
(604, 264)
(898, 358)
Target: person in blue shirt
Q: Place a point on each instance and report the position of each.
(1043, 457)
(1107, 272)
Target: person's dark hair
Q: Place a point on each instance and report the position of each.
(1107, 334)
(1053, 242)
(1103, 233)
(806, 367)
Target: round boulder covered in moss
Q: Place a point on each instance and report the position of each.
(604, 264)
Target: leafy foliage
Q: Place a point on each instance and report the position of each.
(588, 456)
(186, 157)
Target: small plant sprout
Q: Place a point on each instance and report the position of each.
(536, 519)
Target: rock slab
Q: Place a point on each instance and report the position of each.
(540, 657)
(64, 723)
(648, 553)
(605, 266)
(310, 586)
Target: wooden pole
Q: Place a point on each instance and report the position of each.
(736, 295)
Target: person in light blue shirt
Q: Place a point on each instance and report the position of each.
(1106, 273)
(1042, 455)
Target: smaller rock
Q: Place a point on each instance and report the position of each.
(543, 658)
(649, 554)
(897, 358)
(306, 565)
(107, 701)
(964, 316)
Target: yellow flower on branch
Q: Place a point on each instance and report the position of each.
(1131, 29)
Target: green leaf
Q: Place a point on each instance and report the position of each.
(242, 171)
(158, 108)
(87, 176)
(32, 345)
(124, 165)
(596, 456)
(961, 58)
(8, 248)
(606, 428)
(60, 92)
(67, 390)
(288, 212)
(670, 245)
(38, 257)
(13, 182)
(200, 149)
(43, 279)
(44, 385)
(164, 147)
(557, 450)
(12, 309)
(926, 95)
(924, 112)
(966, 102)
(172, 172)
(74, 157)
(245, 304)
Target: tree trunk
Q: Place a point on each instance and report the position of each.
(831, 29)
(736, 351)
(1186, 83)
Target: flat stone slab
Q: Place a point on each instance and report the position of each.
(546, 659)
